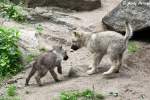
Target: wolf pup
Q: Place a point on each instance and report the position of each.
(109, 42)
(47, 62)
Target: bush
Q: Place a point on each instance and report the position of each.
(10, 56)
(12, 11)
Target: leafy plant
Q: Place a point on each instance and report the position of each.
(11, 90)
(43, 49)
(84, 95)
(133, 47)
(11, 94)
(12, 11)
(39, 28)
(10, 56)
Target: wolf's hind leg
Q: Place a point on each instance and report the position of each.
(116, 63)
(112, 69)
(97, 58)
(40, 74)
(119, 63)
(33, 70)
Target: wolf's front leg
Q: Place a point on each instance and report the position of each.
(94, 65)
(59, 68)
(54, 75)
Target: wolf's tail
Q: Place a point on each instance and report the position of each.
(129, 32)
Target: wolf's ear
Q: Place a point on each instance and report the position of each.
(76, 34)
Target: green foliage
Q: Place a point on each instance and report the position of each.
(39, 28)
(11, 90)
(133, 47)
(4, 1)
(10, 56)
(12, 11)
(11, 94)
(84, 95)
(43, 49)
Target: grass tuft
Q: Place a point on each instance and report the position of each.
(78, 95)
(133, 47)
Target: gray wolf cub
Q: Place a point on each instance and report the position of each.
(47, 62)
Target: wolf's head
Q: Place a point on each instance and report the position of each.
(61, 52)
(77, 41)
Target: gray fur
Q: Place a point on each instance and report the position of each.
(47, 62)
(109, 42)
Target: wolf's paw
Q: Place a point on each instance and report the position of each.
(58, 80)
(91, 71)
(90, 66)
(107, 73)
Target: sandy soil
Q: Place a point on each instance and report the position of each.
(132, 83)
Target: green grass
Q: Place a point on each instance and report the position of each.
(10, 58)
(133, 47)
(81, 95)
(9, 98)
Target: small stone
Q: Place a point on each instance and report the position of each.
(27, 92)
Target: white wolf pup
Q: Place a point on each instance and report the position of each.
(109, 42)
(47, 62)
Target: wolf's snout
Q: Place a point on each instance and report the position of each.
(66, 58)
(74, 47)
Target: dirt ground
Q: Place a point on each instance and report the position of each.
(132, 83)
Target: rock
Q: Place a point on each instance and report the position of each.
(77, 71)
(28, 38)
(71, 4)
(137, 12)
(19, 86)
(12, 81)
(27, 92)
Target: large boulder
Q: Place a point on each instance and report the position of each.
(71, 4)
(137, 12)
